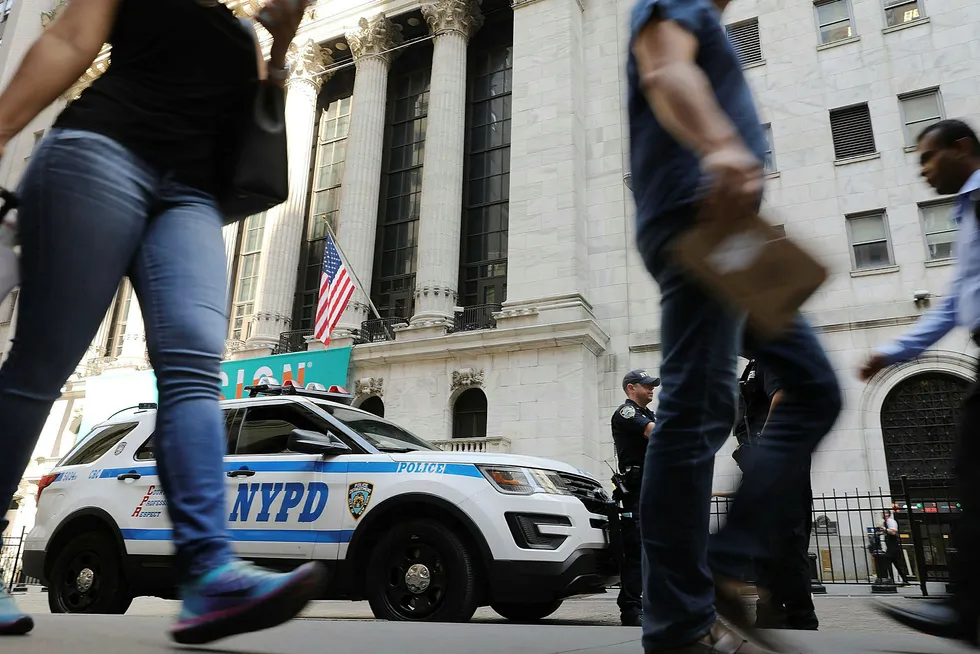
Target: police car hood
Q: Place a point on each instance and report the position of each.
(482, 458)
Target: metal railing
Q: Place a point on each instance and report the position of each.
(849, 550)
(293, 341)
(11, 554)
(476, 317)
(379, 330)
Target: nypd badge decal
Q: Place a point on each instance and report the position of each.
(358, 497)
(627, 411)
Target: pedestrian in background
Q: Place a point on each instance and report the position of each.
(125, 184)
(949, 157)
(697, 148)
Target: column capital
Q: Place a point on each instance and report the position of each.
(307, 63)
(374, 37)
(461, 16)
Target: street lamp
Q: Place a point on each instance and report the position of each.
(628, 180)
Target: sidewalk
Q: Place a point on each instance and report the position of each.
(146, 635)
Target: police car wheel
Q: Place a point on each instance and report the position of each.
(529, 612)
(422, 571)
(86, 577)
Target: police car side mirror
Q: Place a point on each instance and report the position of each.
(306, 441)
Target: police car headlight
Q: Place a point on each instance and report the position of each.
(524, 481)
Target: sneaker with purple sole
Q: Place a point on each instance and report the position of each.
(239, 598)
(12, 621)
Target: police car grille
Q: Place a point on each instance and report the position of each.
(585, 489)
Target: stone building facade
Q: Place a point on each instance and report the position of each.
(472, 160)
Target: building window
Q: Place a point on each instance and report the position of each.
(398, 224)
(919, 110)
(247, 276)
(470, 414)
(940, 229)
(852, 132)
(328, 175)
(487, 194)
(744, 38)
(770, 158)
(899, 12)
(834, 20)
(117, 321)
(868, 234)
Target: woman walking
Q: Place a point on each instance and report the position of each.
(125, 184)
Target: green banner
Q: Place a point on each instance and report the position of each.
(115, 390)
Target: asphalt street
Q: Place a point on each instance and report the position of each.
(849, 625)
(145, 635)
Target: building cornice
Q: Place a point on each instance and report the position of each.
(586, 333)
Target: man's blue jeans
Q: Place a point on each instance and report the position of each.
(701, 339)
(91, 213)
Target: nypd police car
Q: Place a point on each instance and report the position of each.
(422, 534)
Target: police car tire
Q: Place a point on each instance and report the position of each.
(114, 597)
(527, 612)
(461, 597)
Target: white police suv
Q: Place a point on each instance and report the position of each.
(422, 534)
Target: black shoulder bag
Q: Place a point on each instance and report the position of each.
(257, 166)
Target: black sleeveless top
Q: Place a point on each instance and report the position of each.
(179, 76)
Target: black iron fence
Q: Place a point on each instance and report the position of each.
(11, 555)
(847, 545)
(379, 330)
(293, 341)
(475, 317)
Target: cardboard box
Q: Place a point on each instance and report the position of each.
(753, 267)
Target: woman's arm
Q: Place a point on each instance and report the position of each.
(56, 60)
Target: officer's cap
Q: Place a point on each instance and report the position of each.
(640, 377)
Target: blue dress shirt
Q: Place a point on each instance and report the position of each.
(961, 305)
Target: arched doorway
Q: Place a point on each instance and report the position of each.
(918, 426)
(470, 414)
(375, 405)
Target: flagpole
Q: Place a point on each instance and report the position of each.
(350, 270)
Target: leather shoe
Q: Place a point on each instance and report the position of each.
(933, 618)
(720, 640)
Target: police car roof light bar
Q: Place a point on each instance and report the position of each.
(270, 386)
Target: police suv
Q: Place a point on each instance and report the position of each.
(422, 534)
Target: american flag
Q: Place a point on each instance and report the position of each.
(336, 289)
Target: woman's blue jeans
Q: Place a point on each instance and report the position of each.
(91, 213)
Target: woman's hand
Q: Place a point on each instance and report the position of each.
(281, 18)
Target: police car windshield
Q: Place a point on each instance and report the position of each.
(384, 435)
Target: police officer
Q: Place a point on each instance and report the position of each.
(631, 427)
(785, 601)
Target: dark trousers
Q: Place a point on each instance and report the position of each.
(701, 338)
(966, 565)
(786, 575)
(895, 557)
(630, 574)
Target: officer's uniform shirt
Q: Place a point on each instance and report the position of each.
(628, 424)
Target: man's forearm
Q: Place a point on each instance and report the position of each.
(682, 100)
(49, 69)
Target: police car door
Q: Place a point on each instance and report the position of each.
(278, 501)
(139, 503)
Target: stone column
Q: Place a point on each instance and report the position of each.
(283, 234)
(359, 196)
(133, 354)
(452, 22)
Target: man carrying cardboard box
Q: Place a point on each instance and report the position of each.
(696, 151)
